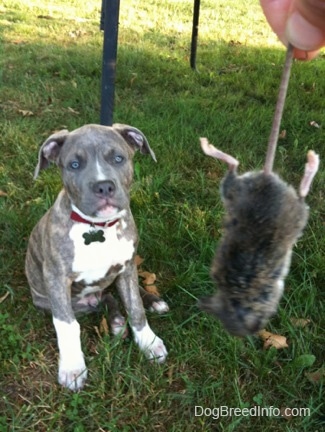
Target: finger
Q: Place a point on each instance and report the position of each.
(277, 13)
(305, 27)
(301, 22)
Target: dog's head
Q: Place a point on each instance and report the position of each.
(96, 165)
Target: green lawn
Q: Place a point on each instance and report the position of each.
(50, 75)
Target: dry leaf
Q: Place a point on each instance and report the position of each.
(46, 17)
(283, 134)
(3, 194)
(97, 331)
(314, 124)
(286, 413)
(138, 260)
(26, 113)
(134, 76)
(19, 42)
(152, 289)
(170, 374)
(213, 175)
(317, 376)
(148, 282)
(300, 322)
(273, 340)
(3, 298)
(73, 111)
(148, 278)
(103, 327)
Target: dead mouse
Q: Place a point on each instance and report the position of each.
(264, 218)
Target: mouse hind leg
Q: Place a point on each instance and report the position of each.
(210, 150)
(311, 169)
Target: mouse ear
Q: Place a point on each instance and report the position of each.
(50, 150)
(135, 138)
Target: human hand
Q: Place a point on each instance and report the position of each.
(300, 22)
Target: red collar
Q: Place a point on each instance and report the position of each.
(77, 218)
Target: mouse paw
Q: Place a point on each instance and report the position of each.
(152, 346)
(159, 307)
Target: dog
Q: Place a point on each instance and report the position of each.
(88, 239)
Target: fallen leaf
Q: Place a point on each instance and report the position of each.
(97, 331)
(148, 282)
(3, 298)
(46, 17)
(234, 43)
(73, 111)
(300, 322)
(26, 113)
(314, 124)
(3, 194)
(283, 134)
(138, 260)
(92, 346)
(317, 376)
(134, 76)
(215, 175)
(152, 289)
(148, 278)
(286, 413)
(170, 374)
(19, 42)
(103, 327)
(273, 340)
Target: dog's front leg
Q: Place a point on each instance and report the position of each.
(72, 368)
(148, 342)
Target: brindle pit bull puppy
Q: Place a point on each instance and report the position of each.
(88, 240)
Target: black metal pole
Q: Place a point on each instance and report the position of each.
(109, 23)
(195, 32)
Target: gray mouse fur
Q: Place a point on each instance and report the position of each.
(264, 218)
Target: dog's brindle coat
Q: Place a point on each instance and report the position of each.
(65, 274)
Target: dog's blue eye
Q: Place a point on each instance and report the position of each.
(118, 159)
(74, 164)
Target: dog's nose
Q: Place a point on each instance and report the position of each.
(104, 189)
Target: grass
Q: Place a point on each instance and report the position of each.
(50, 79)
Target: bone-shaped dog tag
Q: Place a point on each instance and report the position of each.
(94, 236)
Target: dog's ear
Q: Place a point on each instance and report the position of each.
(135, 138)
(50, 150)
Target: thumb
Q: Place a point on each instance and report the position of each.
(305, 27)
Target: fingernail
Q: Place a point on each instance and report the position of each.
(301, 34)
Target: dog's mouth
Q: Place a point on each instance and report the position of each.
(107, 211)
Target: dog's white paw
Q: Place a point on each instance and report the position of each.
(159, 307)
(152, 346)
(72, 368)
(73, 374)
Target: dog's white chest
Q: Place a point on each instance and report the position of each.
(93, 261)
